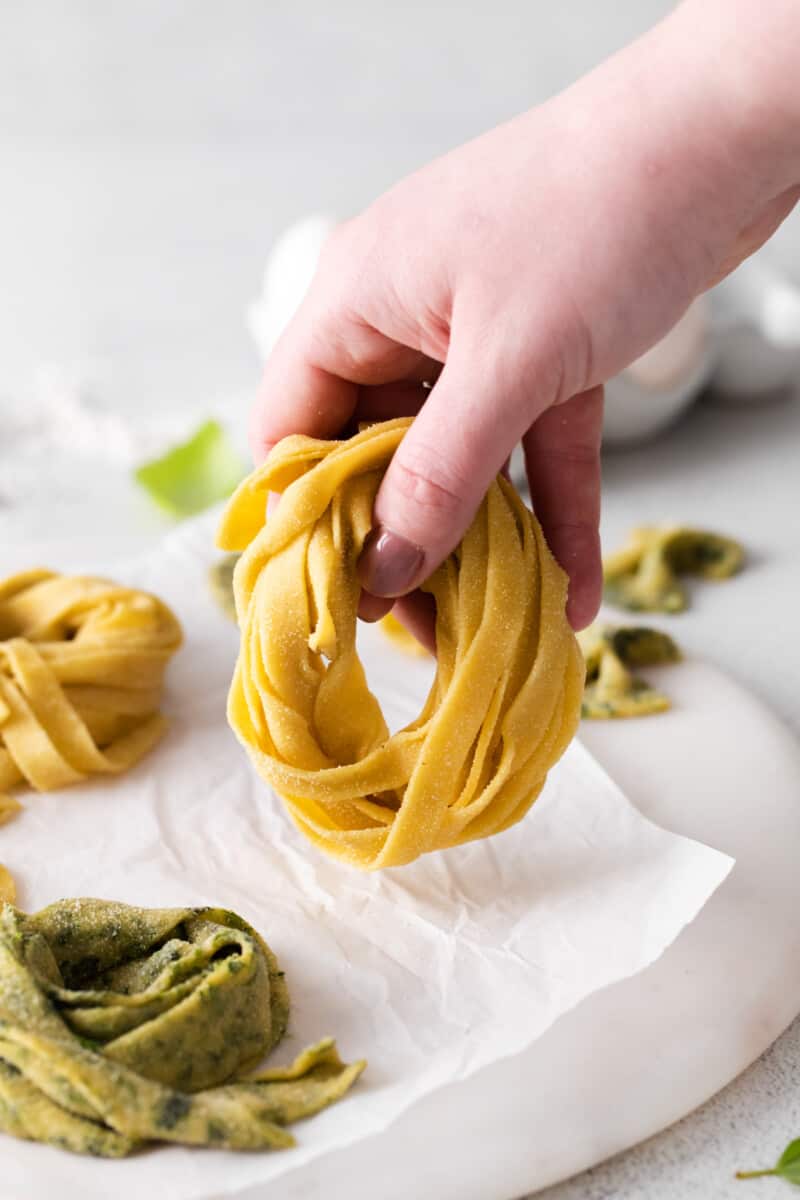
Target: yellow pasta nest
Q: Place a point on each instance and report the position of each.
(507, 694)
(81, 668)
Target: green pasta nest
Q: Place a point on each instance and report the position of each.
(122, 1025)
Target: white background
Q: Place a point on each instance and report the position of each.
(150, 152)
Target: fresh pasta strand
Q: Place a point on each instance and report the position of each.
(8, 888)
(612, 653)
(507, 694)
(400, 637)
(82, 662)
(220, 582)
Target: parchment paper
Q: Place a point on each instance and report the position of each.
(429, 971)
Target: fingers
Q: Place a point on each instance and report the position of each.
(418, 613)
(322, 404)
(298, 397)
(389, 400)
(562, 459)
(373, 608)
(440, 473)
(317, 389)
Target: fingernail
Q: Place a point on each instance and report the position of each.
(373, 608)
(389, 565)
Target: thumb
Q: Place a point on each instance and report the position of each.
(458, 443)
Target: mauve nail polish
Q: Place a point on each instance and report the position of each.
(389, 564)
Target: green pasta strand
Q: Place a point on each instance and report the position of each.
(122, 1025)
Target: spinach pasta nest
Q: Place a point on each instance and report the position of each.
(122, 1025)
(82, 662)
(507, 694)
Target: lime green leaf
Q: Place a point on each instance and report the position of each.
(787, 1166)
(194, 475)
(791, 1154)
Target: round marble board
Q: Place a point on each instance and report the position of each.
(634, 1058)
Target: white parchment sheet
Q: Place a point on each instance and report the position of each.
(429, 971)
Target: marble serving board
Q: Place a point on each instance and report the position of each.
(636, 1057)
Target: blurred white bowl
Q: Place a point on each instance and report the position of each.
(653, 392)
(758, 332)
(290, 268)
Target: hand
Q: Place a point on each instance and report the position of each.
(521, 271)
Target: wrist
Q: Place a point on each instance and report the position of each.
(747, 52)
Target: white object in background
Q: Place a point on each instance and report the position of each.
(68, 419)
(654, 391)
(758, 332)
(65, 412)
(288, 273)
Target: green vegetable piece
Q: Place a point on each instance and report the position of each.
(194, 475)
(121, 1025)
(787, 1167)
(220, 581)
(612, 690)
(644, 575)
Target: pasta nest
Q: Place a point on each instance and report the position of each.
(506, 698)
(123, 1025)
(81, 669)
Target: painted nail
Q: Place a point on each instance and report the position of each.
(389, 565)
(373, 608)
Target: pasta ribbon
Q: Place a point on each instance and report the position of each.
(506, 698)
(612, 688)
(81, 668)
(643, 576)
